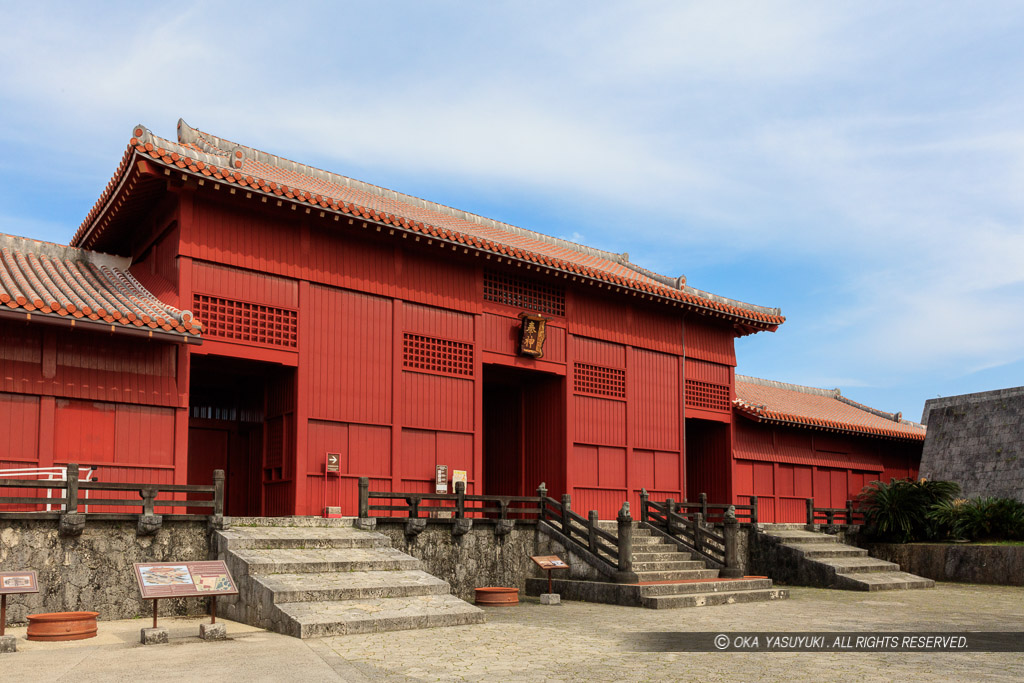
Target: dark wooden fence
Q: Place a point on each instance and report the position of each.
(846, 515)
(151, 497)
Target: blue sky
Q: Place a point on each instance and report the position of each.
(859, 165)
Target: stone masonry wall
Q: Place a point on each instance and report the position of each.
(476, 559)
(977, 440)
(94, 571)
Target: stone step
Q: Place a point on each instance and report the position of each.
(304, 522)
(662, 555)
(708, 586)
(651, 540)
(668, 565)
(374, 615)
(772, 527)
(803, 537)
(858, 565)
(357, 585)
(292, 561)
(884, 581)
(268, 538)
(676, 575)
(709, 599)
(818, 551)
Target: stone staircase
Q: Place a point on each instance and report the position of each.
(311, 577)
(819, 559)
(668, 578)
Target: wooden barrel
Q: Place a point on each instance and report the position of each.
(62, 626)
(497, 596)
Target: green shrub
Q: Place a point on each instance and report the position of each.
(981, 519)
(899, 510)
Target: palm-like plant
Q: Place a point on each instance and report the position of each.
(899, 510)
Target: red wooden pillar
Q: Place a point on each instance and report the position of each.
(303, 502)
(47, 427)
(397, 393)
(478, 397)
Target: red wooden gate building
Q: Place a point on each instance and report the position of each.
(224, 308)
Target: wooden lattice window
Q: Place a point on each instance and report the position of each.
(599, 380)
(245, 322)
(707, 395)
(533, 296)
(430, 354)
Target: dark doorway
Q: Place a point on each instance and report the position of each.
(708, 459)
(523, 431)
(229, 403)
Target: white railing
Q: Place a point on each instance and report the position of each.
(50, 474)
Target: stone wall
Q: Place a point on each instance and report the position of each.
(977, 440)
(995, 564)
(475, 559)
(94, 571)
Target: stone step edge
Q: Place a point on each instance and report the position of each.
(714, 599)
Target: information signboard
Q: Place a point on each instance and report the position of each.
(333, 462)
(18, 582)
(184, 579)
(441, 485)
(549, 562)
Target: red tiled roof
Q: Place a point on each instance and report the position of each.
(799, 406)
(204, 155)
(58, 281)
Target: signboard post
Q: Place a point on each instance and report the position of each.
(184, 580)
(332, 464)
(549, 562)
(13, 582)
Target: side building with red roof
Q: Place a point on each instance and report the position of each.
(225, 308)
(792, 442)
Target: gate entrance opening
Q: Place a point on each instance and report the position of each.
(523, 431)
(239, 415)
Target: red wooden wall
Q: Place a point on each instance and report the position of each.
(784, 467)
(100, 400)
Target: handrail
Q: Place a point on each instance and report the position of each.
(693, 530)
(832, 516)
(72, 488)
(613, 552)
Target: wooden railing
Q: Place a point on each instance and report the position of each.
(69, 497)
(689, 525)
(832, 516)
(614, 552)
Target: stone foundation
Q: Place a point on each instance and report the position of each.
(967, 563)
(477, 558)
(93, 571)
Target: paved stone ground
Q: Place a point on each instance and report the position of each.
(570, 642)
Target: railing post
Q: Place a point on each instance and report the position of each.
(592, 531)
(732, 568)
(849, 512)
(71, 522)
(460, 499)
(753, 510)
(703, 505)
(364, 497)
(566, 521)
(670, 508)
(218, 493)
(71, 489)
(414, 506)
(542, 497)
(148, 494)
(810, 512)
(644, 498)
(698, 542)
(625, 542)
(503, 504)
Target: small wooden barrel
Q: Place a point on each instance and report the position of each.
(62, 626)
(497, 596)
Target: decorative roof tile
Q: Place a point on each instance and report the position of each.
(204, 155)
(59, 281)
(798, 406)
